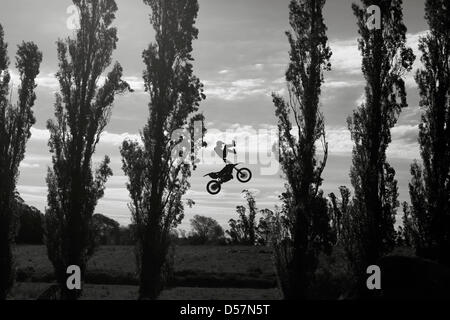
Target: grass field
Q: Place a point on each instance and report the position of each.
(30, 291)
(201, 272)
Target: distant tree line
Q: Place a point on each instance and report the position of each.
(245, 230)
(30, 228)
(30, 224)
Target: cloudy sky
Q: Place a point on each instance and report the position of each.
(241, 56)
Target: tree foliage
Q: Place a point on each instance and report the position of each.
(385, 59)
(158, 177)
(340, 209)
(348, 223)
(302, 128)
(206, 230)
(16, 120)
(244, 230)
(106, 230)
(82, 111)
(265, 226)
(30, 224)
(429, 217)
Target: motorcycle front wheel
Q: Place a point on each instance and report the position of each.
(213, 187)
(244, 175)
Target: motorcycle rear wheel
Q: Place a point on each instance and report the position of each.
(213, 187)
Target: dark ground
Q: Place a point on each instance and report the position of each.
(201, 272)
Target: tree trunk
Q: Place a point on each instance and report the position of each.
(6, 256)
(150, 269)
(298, 269)
(6, 260)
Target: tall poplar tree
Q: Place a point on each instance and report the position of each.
(16, 120)
(158, 177)
(385, 59)
(82, 111)
(429, 215)
(302, 127)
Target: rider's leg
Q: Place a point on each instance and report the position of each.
(225, 153)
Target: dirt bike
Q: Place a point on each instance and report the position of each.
(213, 187)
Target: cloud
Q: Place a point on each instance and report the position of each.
(242, 89)
(339, 141)
(281, 80)
(244, 81)
(346, 57)
(136, 83)
(258, 66)
(237, 89)
(49, 81)
(404, 143)
(412, 41)
(39, 134)
(346, 61)
(336, 84)
(34, 195)
(248, 83)
(114, 139)
(360, 100)
(406, 133)
(34, 158)
(26, 189)
(248, 138)
(27, 165)
(253, 141)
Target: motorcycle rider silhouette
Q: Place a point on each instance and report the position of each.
(244, 175)
(222, 149)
